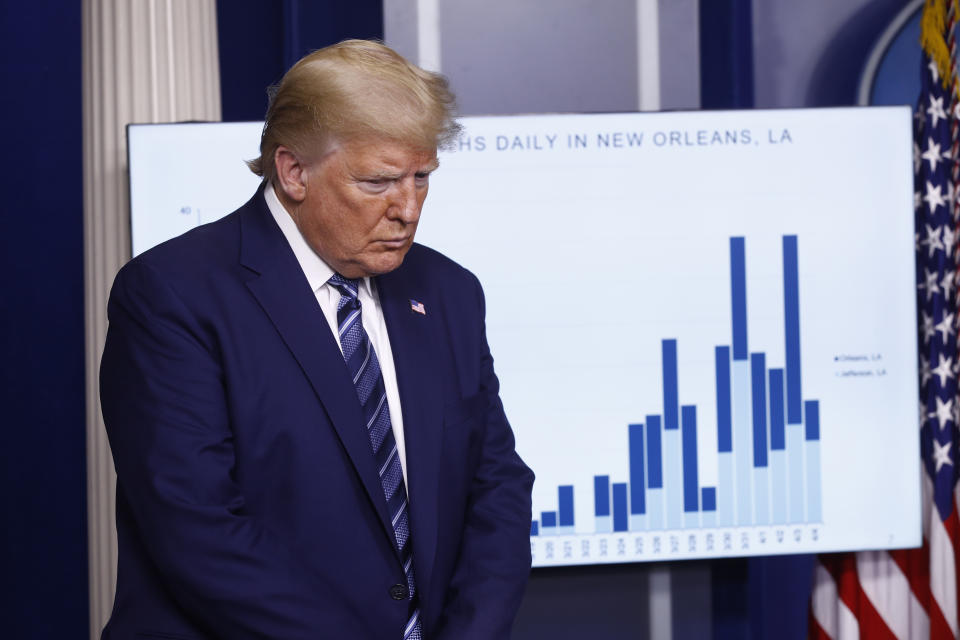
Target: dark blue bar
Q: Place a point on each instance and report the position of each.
(620, 506)
(534, 528)
(565, 501)
(691, 491)
(777, 437)
(709, 497)
(671, 397)
(758, 371)
(813, 419)
(791, 315)
(738, 297)
(601, 495)
(724, 437)
(548, 518)
(654, 455)
(638, 491)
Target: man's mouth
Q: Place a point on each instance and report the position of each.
(395, 243)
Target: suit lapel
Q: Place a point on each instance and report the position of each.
(282, 291)
(414, 340)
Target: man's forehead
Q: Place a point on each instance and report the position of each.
(387, 153)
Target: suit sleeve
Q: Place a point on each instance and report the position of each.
(494, 561)
(164, 406)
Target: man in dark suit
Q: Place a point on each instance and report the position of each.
(301, 403)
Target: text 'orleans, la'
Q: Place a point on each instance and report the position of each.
(625, 140)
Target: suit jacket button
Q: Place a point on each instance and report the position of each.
(398, 592)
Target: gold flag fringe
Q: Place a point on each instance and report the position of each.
(933, 26)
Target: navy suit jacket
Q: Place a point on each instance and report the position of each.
(248, 505)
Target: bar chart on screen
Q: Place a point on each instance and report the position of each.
(767, 455)
(703, 326)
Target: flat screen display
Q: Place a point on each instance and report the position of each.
(704, 323)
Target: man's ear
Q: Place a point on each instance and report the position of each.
(291, 174)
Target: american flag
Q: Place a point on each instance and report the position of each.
(912, 593)
(418, 307)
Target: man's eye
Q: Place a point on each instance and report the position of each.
(422, 178)
(375, 185)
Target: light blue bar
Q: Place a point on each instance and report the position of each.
(709, 519)
(655, 508)
(638, 522)
(566, 530)
(691, 519)
(813, 481)
(725, 489)
(778, 473)
(742, 439)
(761, 496)
(795, 471)
(673, 477)
(604, 524)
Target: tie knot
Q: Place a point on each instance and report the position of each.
(348, 287)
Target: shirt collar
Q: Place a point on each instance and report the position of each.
(314, 267)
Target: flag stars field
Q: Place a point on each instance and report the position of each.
(946, 325)
(949, 235)
(928, 329)
(943, 412)
(933, 241)
(931, 286)
(932, 154)
(941, 455)
(935, 110)
(934, 198)
(944, 370)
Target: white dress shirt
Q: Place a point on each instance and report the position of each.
(328, 296)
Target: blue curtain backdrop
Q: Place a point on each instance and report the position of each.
(43, 541)
(260, 40)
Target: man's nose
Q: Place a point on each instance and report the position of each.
(406, 204)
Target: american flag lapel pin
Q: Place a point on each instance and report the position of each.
(417, 307)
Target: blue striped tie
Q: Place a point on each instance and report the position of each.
(364, 368)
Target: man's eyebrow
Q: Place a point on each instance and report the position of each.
(379, 175)
(393, 175)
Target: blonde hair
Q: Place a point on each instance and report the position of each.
(354, 89)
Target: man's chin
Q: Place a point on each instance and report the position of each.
(381, 264)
